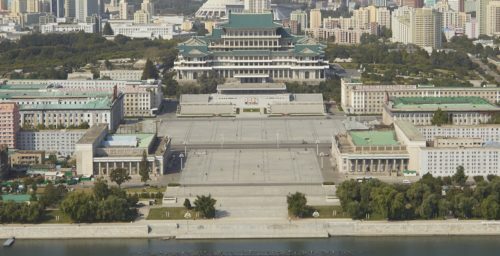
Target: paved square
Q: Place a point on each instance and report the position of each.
(251, 166)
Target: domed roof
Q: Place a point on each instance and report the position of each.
(215, 8)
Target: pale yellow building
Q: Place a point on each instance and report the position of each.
(315, 18)
(493, 18)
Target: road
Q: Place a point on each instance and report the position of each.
(485, 68)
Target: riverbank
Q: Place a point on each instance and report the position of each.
(257, 228)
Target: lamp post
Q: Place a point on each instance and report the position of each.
(185, 147)
(181, 156)
(278, 140)
(317, 147)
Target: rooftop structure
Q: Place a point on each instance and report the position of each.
(251, 47)
(373, 138)
(214, 9)
(445, 103)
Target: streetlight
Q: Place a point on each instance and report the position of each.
(185, 147)
(222, 142)
(317, 147)
(277, 140)
(181, 156)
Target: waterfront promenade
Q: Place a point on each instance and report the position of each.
(258, 228)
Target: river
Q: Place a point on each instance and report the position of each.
(369, 246)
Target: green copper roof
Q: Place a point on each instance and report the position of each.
(374, 138)
(102, 104)
(433, 103)
(251, 20)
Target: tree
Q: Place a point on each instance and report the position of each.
(490, 208)
(205, 205)
(108, 65)
(187, 204)
(107, 30)
(52, 195)
(144, 167)
(440, 117)
(491, 177)
(119, 176)
(459, 177)
(114, 208)
(101, 189)
(52, 159)
(149, 71)
(79, 206)
(297, 204)
(478, 178)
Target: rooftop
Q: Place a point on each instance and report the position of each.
(103, 103)
(373, 138)
(16, 198)
(253, 86)
(92, 134)
(139, 140)
(409, 130)
(445, 103)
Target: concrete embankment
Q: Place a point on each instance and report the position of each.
(258, 228)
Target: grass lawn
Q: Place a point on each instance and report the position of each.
(51, 217)
(328, 211)
(174, 213)
(146, 189)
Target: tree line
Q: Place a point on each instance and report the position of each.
(428, 198)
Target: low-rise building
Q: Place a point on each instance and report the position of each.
(237, 99)
(60, 142)
(141, 98)
(27, 158)
(485, 132)
(359, 98)
(68, 28)
(98, 152)
(458, 110)
(373, 152)
(122, 74)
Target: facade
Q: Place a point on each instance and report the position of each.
(358, 98)
(9, 124)
(484, 132)
(315, 18)
(27, 158)
(59, 142)
(259, 99)
(301, 18)
(481, 15)
(68, 28)
(441, 155)
(98, 152)
(121, 74)
(141, 98)
(86, 8)
(257, 6)
(420, 110)
(493, 18)
(150, 31)
(4, 161)
(215, 9)
(340, 35)
(421, 26)
(39, 107)
(252, 48)
(373, 152)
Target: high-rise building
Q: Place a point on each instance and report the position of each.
(315, 18)
(86, 8)
(380, 3)
(124, 13)
(57, 8)
(301, 18)
(142, 17)
(257, 6)
(4, 5)
(493, 18)
(420, 26)
(18, 6)
(69, 8)
(33, 6)
(412, 3)
(148, 7)
(481, 6)
(9, 124)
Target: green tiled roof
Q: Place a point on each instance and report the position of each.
(103, 103)
(251, 20)
(6, 93)
(468, 103)
(16, 198)
(374, 138)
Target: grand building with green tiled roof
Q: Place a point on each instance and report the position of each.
(251, 47)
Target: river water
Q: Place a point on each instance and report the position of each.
(372, 246)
